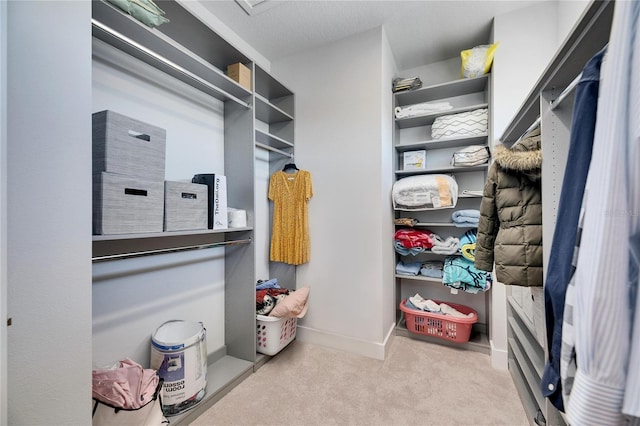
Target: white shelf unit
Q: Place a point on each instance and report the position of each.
(188, 50)
(525, 307)
(414, 133)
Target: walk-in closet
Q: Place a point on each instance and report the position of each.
(250, 212)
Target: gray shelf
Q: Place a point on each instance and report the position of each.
(420, 278)
(531, 378)
(272, 140)
(167, 54)
(588, 36)
(268, 87)
(123, 245)
(444, 143)
(450, 169)
(440, 224)
(427, 119)
(449, 89)
(270, 113)
(526, 398)
(222, 376)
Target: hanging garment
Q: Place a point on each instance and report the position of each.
(564, 237)
(290, 193)
(510, 225)
(606, 385)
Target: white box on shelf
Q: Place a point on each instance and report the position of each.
(414, 160)
(185, 206)
(220, 219)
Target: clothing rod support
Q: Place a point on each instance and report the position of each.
(168, 250)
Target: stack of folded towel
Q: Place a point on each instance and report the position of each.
(466, 218)
(448, 246)
(412, 268)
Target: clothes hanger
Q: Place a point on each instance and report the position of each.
(290, 166)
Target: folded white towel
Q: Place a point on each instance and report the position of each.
(448, 246)
(422, 109)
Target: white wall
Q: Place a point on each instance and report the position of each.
(131, 298)
(389, 72)
(49, 212)
(339, 111)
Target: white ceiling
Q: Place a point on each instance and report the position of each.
(419, 31)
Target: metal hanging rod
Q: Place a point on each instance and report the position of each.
(105, 29)
(270, 148)
(168, 250)
(530, 128)
(566, 92)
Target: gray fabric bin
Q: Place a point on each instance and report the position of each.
(126, 205)
(127, 146)
(185, 206)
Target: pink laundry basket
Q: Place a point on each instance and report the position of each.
(439, 325)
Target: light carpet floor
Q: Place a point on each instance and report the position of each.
(418, 384)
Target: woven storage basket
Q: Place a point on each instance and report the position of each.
(445, 327)
(274, 334)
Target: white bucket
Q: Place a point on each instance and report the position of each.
(179, 354)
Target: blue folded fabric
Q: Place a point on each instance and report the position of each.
(408, 268)
(468, 217)
(432, 269)
(402, 250)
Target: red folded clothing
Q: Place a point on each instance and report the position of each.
(411, 238)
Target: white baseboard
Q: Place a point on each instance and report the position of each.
(374, 350)
(499, 358)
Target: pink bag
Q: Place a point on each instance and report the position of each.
(127, 385)
(127, 394)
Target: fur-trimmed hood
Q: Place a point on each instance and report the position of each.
(524, 157)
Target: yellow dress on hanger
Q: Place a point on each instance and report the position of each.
(290, 193)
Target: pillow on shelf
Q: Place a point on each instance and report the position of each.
(463, 124)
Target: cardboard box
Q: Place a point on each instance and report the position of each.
(241, 74)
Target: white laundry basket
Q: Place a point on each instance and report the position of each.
(274, 334)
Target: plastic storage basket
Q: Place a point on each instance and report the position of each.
(274, 334)
(439, 325)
